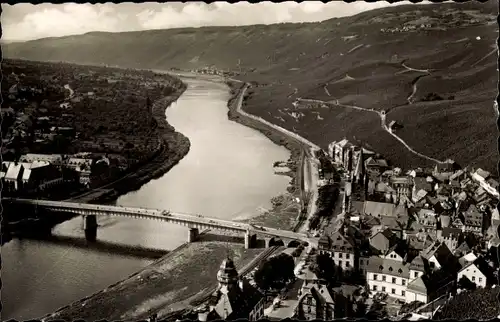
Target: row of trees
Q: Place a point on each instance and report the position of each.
(327, 197)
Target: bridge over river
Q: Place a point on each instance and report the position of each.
(195, 223)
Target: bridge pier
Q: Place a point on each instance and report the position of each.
(193, 235)
(250, 240)
(89, 225)
(267, 241)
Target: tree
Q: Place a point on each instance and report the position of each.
(377, 311)
(360, 309)
(465, 283)
(275, 273)
(324, 267)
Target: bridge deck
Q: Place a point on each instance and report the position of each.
(164, 215)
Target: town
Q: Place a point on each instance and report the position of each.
(417, 244)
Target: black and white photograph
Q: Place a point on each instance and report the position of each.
(170, 161)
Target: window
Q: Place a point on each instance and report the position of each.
(309, 301)
(383, 278)
(340, 263)
(473, 278)
(346, 264)
(346, 256)
(340, 255)
(403, 282)
(393, 280)
(480, 279)
(308, 309)
(393, 291)
(383, 288)
(360, 262)
(403, 293)
(390, 269)
(375, 276)
(415, 274)
(366, 262)
(374, 287)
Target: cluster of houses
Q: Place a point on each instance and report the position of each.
(414, 235)
(38, 172)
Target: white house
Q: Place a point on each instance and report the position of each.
(481, 176)
(476, 271)
(13, 176)
(340, 247)
(389, 276)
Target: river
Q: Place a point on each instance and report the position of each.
(228, 173)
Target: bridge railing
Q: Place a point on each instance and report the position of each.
(166, 215)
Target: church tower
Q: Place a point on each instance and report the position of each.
(227, 276)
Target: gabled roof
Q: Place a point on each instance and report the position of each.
(442, 254)
(388, 238)
(392, 267)
(393, 222)
(482, 266)
(463, 248)
(399, 248)
(420, 195)
(418, 286)
(341, 243)
(371, 221)
(13, 172)
(26, 174)
(457, 174)
(418, 264)
(383, 187)
(482, 173)
(379, 208)
(467, 259)
(473, 217)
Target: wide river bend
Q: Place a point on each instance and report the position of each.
(228, 173)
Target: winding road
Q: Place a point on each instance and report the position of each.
(383, 124)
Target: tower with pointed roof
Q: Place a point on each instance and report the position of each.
(227, 275)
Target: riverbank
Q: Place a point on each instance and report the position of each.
(173, 146)
(285, 210)
(163, 287)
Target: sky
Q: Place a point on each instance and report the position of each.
(26, 21)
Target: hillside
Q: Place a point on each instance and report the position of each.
(373, 60)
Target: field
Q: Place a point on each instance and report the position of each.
(448, 50)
